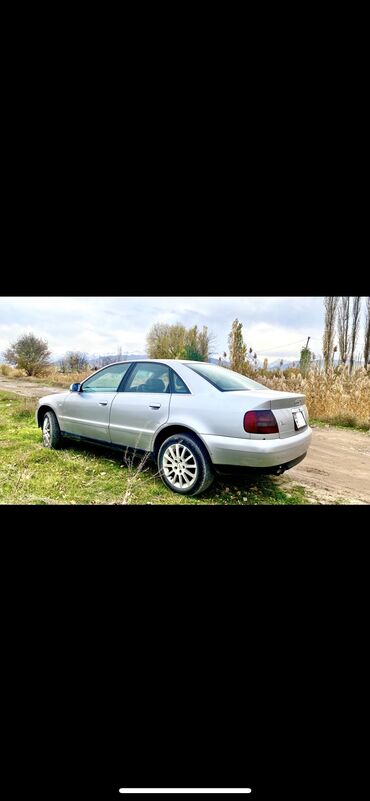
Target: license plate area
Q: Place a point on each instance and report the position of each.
(299, 420)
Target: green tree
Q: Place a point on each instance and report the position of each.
(305, 360)
(192, 345)
(28, 353)
(176, 342)
(158, 341)
(237, 347)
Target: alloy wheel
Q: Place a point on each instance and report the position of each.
(180, 466)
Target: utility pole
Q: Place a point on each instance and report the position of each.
(308, 342)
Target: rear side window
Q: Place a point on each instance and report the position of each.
(149, 378)
(179, 385)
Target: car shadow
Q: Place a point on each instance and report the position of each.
(234, 489)
(101, 451)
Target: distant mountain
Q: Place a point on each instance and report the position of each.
(98, 358)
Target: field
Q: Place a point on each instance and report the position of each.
(335, 397)
(81, 474)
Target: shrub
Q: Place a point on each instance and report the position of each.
(28, 353)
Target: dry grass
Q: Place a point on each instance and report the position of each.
(58, 379)
(334, 397)
(51, 375)
(10, 372)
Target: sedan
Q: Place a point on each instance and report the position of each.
(195, 419)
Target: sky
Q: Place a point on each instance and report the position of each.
(275, 327)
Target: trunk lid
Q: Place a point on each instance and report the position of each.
(283, 405)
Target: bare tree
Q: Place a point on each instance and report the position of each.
(74, 362)
(329, 330)
(343, 328)
(356, 309)
(221, 359)
(204, 341)
(367, 335)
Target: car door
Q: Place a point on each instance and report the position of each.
(141, 406)
(86, 413)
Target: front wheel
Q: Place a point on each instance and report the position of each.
(184, 465)
(51, 436)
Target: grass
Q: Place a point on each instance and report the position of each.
(84, 474)
(340, 421)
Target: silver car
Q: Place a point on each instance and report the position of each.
(194, 418)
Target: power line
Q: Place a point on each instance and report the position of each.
(279, 347)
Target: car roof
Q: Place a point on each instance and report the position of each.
(160, 361)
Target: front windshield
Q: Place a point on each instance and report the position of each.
(223, 379)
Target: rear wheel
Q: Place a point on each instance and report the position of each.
(51, 436)
(184, 465)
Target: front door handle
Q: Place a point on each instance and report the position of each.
(154, 405)
(103, 403)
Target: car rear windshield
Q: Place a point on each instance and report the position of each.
(223, 379)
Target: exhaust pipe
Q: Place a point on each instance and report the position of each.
(280, 470)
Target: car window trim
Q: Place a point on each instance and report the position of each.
(124, 380)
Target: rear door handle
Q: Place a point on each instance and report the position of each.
(154, 405)
(103, 403)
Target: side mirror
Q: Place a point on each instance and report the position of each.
(75, 388)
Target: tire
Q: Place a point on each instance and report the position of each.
(51, 436)
(183, 460)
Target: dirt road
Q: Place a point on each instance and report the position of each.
(26, 388)
(337, 467)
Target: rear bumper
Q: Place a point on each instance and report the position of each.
(257, 453)
(237, 470)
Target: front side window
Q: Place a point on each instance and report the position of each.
(107, 380)
(149, 378)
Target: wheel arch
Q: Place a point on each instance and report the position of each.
(176, 428)
(41, 412)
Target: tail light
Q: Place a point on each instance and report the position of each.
(260, 422)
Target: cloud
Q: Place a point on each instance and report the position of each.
(273, 326)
